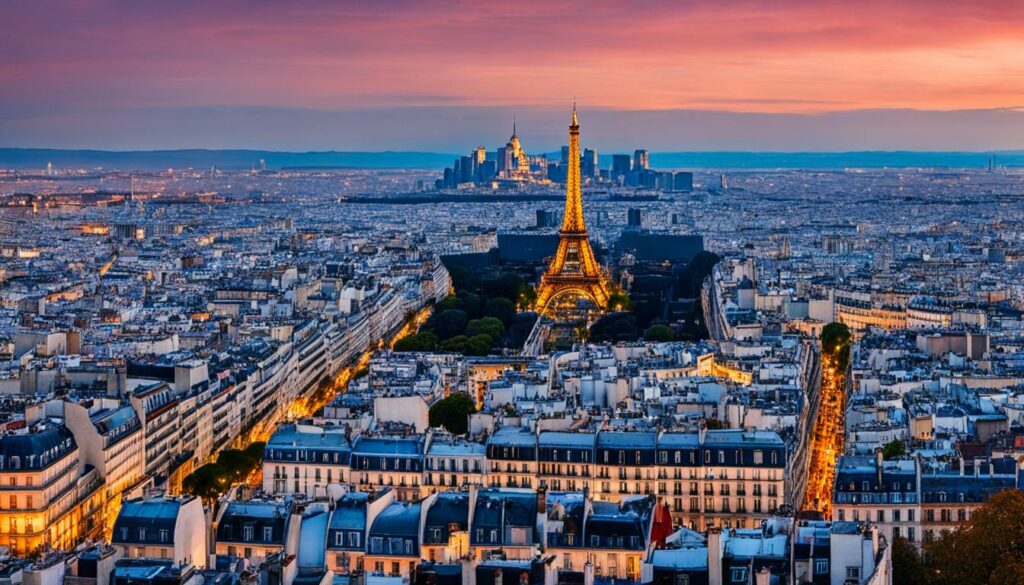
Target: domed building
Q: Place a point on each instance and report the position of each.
(517, 163)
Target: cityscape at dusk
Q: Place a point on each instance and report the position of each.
(511, 293)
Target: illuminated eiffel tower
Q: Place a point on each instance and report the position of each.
(573, 271)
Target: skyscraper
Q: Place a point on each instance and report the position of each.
(620, 165)
(641, 160)
(589, 166)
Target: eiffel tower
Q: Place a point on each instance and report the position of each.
(573, 270)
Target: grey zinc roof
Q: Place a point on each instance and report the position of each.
(559, 439)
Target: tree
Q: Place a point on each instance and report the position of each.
(659, 333)
(835, 341)
(893, 449)
(989, 549)
(619, 301)
(255, 451)
(506, 285)
(423, 341)
(489, 326)
(502, 309)
(614, 327)
(527, 298)
(907, 567)
(450, 323)
(208, 482)
(452, 413)
(455, 344)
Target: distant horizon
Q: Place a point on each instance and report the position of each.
(247, 158)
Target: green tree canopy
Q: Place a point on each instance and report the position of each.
(987, 550)
(835, 341)
(208, 482)
(502, 309)
(659, 333)
(452, 413)
(423, 341)
(619, 301)
(489, 326)
(450, 323)
(893, 449)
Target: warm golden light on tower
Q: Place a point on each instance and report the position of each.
(573, 270)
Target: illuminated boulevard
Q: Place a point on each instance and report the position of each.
(310, 403)
(827, 440)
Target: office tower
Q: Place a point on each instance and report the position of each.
(634, 217)
(554, 172)
(503, 160)
(449, 178)
(481, 155)
(488, 169)
(682, 181)
(467, 169)
(641, 160)
(723, 182)
(620, 165)
(457, 172)
(565, 156)
(49, 169)
(263, 164)
(589, 163)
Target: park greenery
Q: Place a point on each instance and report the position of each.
(645, 311)
(987, 549)
(479, 318)
(452, 413)
(659, 332)
(212, 480)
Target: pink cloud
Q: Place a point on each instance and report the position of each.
(738, 56)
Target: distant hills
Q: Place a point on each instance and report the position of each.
(245, 159)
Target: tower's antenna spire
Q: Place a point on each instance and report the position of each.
(513, 125)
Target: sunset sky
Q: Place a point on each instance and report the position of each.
(382, 74)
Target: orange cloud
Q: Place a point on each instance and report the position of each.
(783, 56)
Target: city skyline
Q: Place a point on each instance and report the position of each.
(405, 76)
